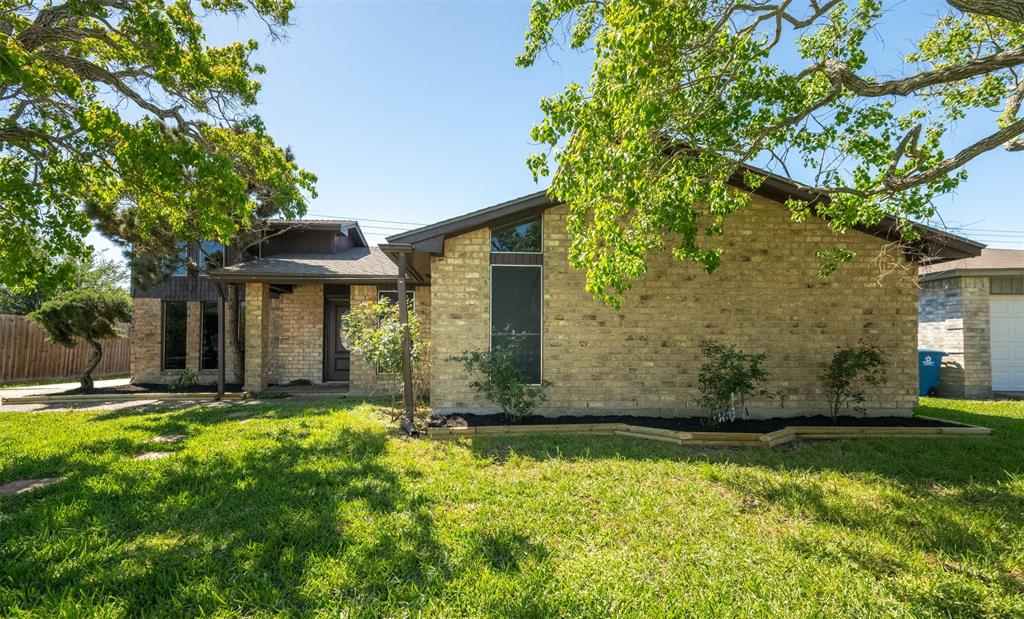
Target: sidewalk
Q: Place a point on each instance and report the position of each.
(19, 392)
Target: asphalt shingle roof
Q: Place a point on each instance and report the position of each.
(990, 259)
(353, 264)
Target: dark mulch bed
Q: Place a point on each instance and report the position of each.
(697, 424)
(154, 388)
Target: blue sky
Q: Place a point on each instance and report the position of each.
(413, 112)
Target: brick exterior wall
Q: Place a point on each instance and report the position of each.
(147, 344)
(257, 336)
(297, 335)
(146, 340)
(954, 318)
(644, 359)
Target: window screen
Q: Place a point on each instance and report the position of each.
(516, 307)
(209, 355)
(519, 237)
(175, 330)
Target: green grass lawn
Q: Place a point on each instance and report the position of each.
(321, 509)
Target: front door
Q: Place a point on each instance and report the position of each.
(336, 356)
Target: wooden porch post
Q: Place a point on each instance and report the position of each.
(403, 318)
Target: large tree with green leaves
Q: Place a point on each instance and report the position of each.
(119, 114)
(684, 93)
(91, 273)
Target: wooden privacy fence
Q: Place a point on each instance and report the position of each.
(27, 354)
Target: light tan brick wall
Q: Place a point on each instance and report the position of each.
(146, 340)
(644, 359)
(364, 379)
(194, 338)
(296, 336)
(257, 336)
(147, 344)
(954, 318)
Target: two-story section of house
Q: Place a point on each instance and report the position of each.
(291, 290)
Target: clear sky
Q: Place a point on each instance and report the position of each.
(414, 112)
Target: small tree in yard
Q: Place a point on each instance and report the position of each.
(89, 314)
(497, 378)
(727, 379)
(373, 330)
(850, 370)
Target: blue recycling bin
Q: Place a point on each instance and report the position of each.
(928, 363)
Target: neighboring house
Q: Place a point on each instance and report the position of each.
(293, 288)
(507, 266)
(973, 310)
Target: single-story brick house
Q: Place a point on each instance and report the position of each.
(506, 266)
(973, 309)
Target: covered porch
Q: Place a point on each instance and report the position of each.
(291, 318)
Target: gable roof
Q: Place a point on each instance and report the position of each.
(353, 264)
(990, 262)
(940, 246)
(343, 225)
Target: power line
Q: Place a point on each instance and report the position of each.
(362, 219)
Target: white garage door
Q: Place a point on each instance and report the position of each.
(1008, 342)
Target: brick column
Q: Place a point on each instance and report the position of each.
(977, 342)
(193, 334)
(146, 340)
(257, 340)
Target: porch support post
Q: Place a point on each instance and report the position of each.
(257, 338)
(408, 424)
(221, 356)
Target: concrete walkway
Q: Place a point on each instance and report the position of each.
(18, 392)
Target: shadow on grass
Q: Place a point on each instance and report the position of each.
(953, 496)
(291, 522)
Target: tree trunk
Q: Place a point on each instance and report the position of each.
(94, 360)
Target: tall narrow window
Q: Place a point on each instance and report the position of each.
(208, 360)
(516, 315)
(175, 328)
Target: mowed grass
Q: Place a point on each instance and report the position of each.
(321, 509)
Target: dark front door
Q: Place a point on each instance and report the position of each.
(336, 356)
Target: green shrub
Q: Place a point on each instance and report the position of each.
(727, 379)
(186, 380)
(850, 370)
(497, 378)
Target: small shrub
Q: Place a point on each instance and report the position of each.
(727, 379)
(850, 370)
(498, 379)
(186, 380)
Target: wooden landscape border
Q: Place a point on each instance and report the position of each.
(717, 439)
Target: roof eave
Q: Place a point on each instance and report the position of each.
(954, 273)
